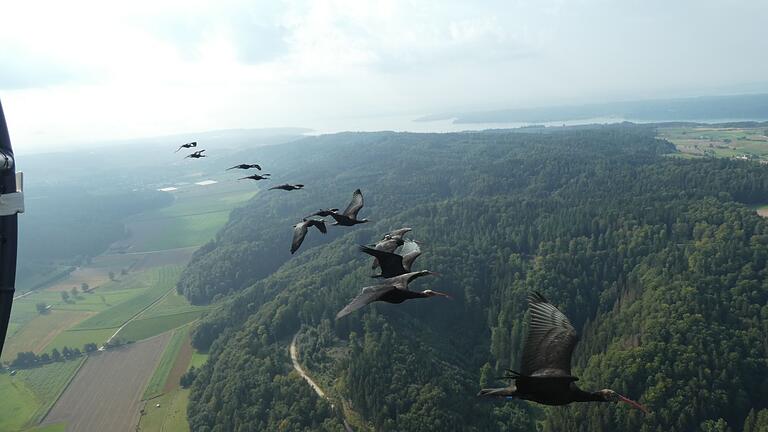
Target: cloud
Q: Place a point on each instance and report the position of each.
(80, 69)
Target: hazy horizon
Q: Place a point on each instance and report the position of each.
(84, 73)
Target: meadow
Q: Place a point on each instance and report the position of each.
(28, 395)
(726, 142)
(157, 382)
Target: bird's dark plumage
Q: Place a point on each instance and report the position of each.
(395, 234)
(245, 166)
(196, 155)
(300, 231)
(389, 244)
(349, 216)
(393, 264)
(545, 375)
(323, 213)
(187, 145)
(551, 340)
(288, 187)
(393, 290)
(256, 177)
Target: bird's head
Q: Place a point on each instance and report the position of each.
(609, 395)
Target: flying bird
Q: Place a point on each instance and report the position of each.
(287, 187)
(389, 244)
(398, 233)
(187, 145)
(545, 376)
(256, 177)
(323, 213)
(349, 216)
(196, 155)
(393, 264)
(392, 290)
(300, 231)
(245, 166)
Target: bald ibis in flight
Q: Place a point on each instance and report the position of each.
(245, 166)
(392, 290)
(256, 177)
(349, 216)
(545, 376)
(287, 187)
(187, 145)
(300, 231)
(390, 242)
(196, 155)
(393, 264)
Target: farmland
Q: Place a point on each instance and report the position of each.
(167, 361)
(725, 142)
(106, 394)
(130, 288)
(28, 395)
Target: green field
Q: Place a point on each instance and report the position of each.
(704, 141)
(78, 338)
(27, 396)
(194, 218)
(171, 416)
(198, 359)
(145, 328)
(158, 282)
(56, 427)
(157, 382)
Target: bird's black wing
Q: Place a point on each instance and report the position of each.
(180, 147)
(368, 295)
(230, 168)
(391, 264)
(550, 342)
(410, 252)
(320, 225)
(355, 205)
(257, 166)
(299, 232)
(277, 187)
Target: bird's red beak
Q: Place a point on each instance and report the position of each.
(634, 404)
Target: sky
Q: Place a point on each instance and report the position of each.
(86, 71)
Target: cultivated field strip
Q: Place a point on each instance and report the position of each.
(106, 393)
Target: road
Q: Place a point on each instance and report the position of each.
(297, 367)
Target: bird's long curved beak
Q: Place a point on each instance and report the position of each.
(448, 296)
(634, 404)
(496, 392)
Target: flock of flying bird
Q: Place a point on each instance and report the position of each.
(545, 373)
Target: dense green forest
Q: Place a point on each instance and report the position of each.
(658, 261)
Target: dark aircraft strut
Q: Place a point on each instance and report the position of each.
(11, 204)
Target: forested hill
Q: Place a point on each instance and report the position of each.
(658, 261)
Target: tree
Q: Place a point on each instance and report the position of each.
(65, 296)
(41, 307)
(123, 271)
(55, 355)
(44, 358)
(74, 292)
(111, 275)
(84, 287)
(66, 352)
(90, 347)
